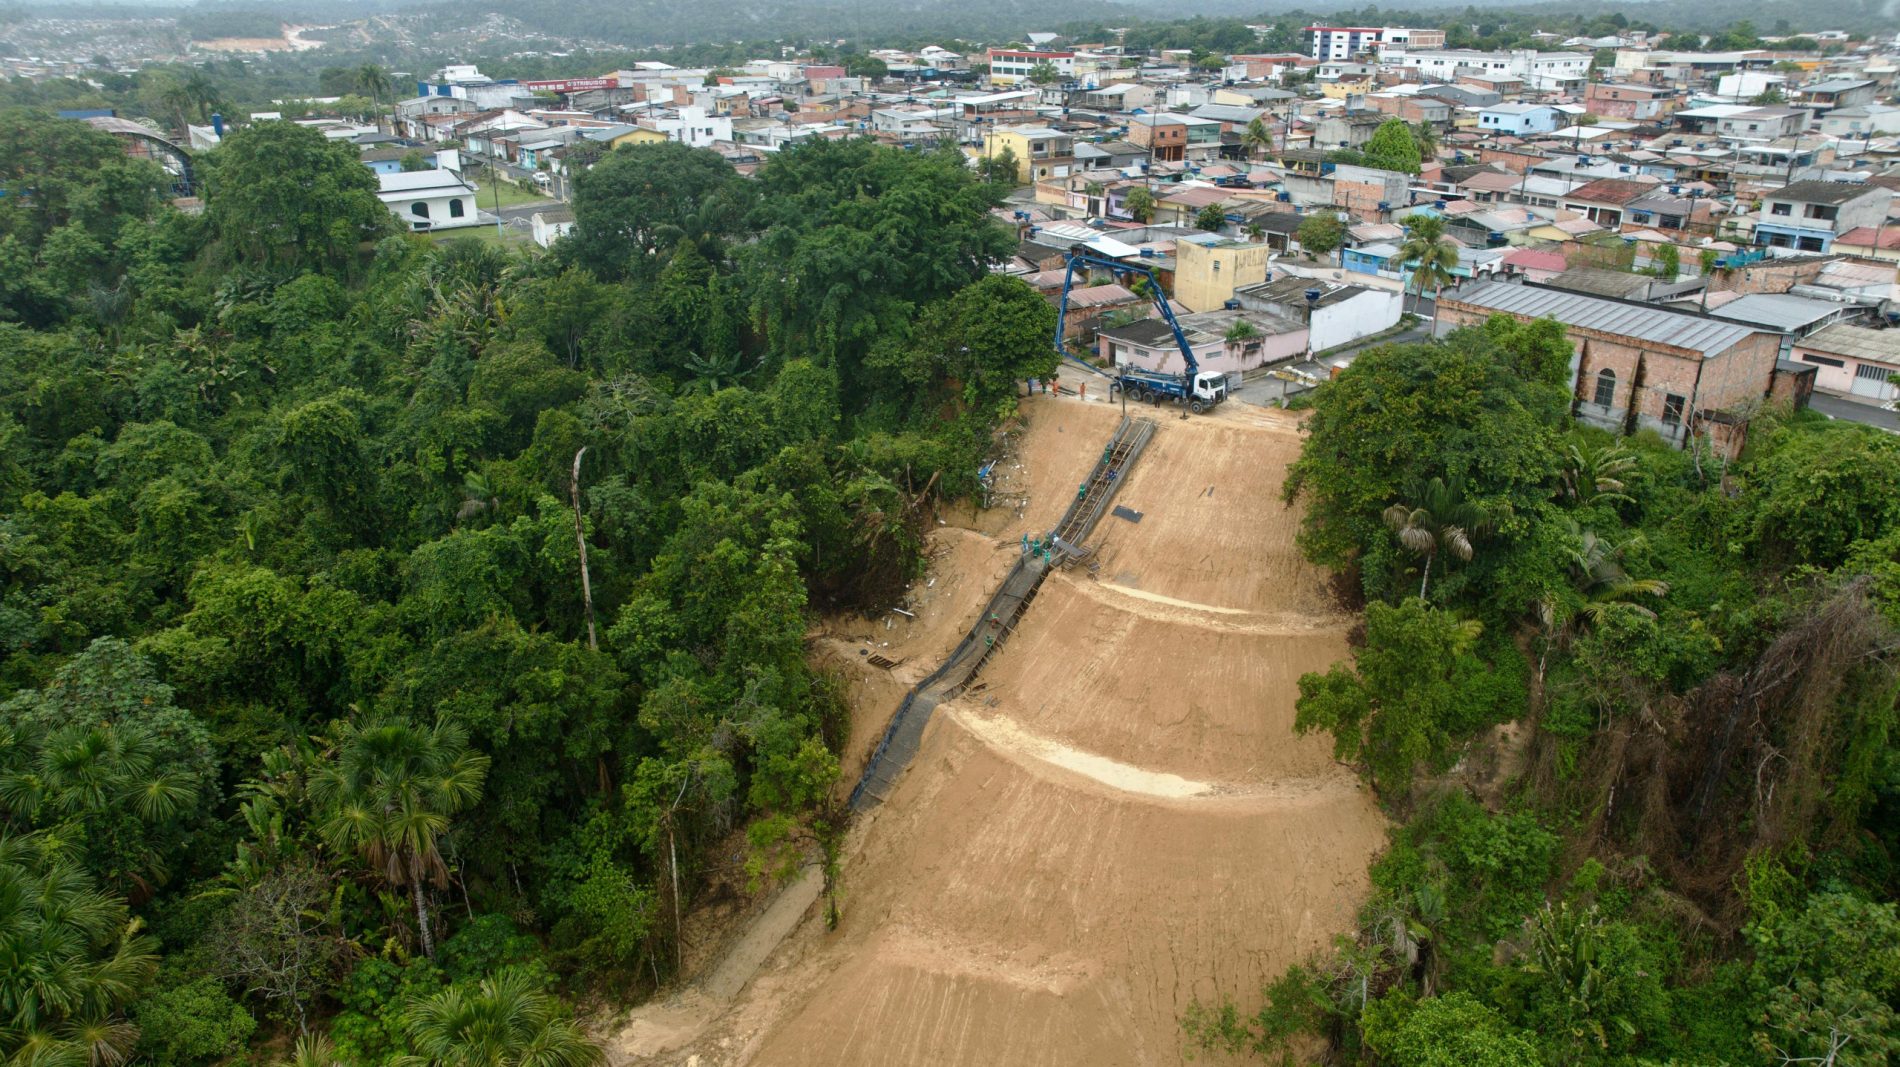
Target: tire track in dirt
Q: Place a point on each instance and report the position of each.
(1045, 755)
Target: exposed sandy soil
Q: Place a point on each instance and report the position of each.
(291, 41)
(1117, 820)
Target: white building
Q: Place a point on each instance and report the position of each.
(1543, 71)
(1861, 123)
(1008, 66)
(552, 225)
(693, 127)
(1345, 42)
(429, 199)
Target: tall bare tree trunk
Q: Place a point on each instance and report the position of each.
(679, 925)
(580, 541)
(422, 918)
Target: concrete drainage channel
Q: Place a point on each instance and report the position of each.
(1000, 615)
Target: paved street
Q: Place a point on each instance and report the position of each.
(1855, 411)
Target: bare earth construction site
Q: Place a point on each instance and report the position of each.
(1114, 819)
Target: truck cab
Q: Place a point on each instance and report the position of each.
(1211, 386)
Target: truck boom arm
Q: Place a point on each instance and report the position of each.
(1081, 254)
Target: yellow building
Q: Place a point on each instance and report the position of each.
(1040, 152)
(637, 135)
(1343, 88)
(1206, 275)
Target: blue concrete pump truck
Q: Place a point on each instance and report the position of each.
(1197, 389)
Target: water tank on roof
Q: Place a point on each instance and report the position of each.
(1284, 198)
(1147, 253)
(1675, 190)
(1439, 204)
(1383, 206)
(1231, 305)
(1312, 297)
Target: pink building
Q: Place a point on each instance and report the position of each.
(1218, 341)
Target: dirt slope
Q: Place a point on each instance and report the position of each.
(1119, 818)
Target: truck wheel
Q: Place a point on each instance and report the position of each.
(1196, 406)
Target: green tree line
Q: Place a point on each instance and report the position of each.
(396, 635)
(1631, 706)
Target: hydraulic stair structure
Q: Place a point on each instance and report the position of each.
(1001, 615)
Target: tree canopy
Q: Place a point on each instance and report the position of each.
(395, 631)
(1394, 146)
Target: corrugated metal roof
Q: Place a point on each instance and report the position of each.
(1708, 336)
(1779, 311)
(1882, 346)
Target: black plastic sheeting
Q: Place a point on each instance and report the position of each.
(906, 732)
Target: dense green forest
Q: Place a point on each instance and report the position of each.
(395, 635)
(1632, 709)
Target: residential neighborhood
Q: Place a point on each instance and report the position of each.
(1715, 176)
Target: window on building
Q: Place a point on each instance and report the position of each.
(1811, 244)
(1672, 410)
(419, 210)
(1825, 361)
(1781, 209)
(1873, 372)
(1606, 388)
(455, 209)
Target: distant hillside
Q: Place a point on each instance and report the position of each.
(661, 22)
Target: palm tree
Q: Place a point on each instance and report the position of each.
(478, 497)
(74, 961)
(505, 1022)
(714, 372)
(314, 1050)
(1430, 253)
(386, 792)
(79, 770)
(1439, 520)
(201, 94)
(372, 81)
(1597, 473)
(1257, 136)
(1094, 192)
(1427, 137)
(1596, 569)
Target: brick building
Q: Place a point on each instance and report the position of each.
(1639, 366)
(1164, 136)
(1370, 193)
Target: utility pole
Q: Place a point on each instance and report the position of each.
(494, 182)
